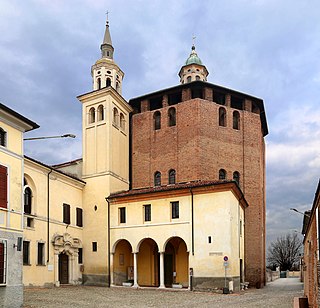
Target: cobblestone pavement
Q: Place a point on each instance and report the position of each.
(279, 293)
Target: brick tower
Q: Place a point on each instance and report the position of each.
(201, 131)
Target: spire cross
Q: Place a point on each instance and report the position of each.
(193, 39)
(107, 13)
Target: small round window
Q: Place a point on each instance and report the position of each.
(99, 72)
(108, 72)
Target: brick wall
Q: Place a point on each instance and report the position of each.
(197, 147)
(310, 267)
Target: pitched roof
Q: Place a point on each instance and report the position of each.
(32, 125)
(176, 187)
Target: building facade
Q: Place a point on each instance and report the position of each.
(311, 258)
(12, 127)
(178, 235)
(53, 226)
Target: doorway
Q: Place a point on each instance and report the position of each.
(63, 268)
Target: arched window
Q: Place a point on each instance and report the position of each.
(222, 116)
(117, 86)
(236, 177)
(157, 120)
(115, 116)
(100, 113)
(122, 121)
(27, 200)
(222, 174)
(172, 116)
(92, 115)
(197, 77)
(108, 82)
(3, 137)
(99, 83)
(172, 176)
(236, 120)
(157, 178)
(189, 79)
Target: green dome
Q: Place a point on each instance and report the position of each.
(193, 58)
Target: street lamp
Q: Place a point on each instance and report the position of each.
(295, 210)
(50, 137)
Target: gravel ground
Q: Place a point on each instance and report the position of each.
(279, 293)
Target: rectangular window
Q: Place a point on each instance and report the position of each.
(3, 186)
(79, 217)
(3, 262)
(80, 256)
(66, 213)
(122, 214)
(209, 239)
(94, 246)
(26, 253)
(175, 209)
(147, 212)
(3, 137)
(40, 254)
(30, 222)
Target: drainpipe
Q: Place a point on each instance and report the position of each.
(192, 224)
(109, 271)
(48, 213)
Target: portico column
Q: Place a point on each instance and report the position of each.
(111, 269)
(135, 270)
(162, 271)
(56, 269)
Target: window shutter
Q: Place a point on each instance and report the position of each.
(66, 213)
(79, 217)
(3, 186)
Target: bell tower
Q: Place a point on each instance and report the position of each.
(105, 152)
(105, 72)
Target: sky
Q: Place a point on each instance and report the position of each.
(267, 48)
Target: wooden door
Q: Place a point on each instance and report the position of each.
(63, 268)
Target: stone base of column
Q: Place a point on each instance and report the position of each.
(135, 286)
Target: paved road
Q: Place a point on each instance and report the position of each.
(279, 293)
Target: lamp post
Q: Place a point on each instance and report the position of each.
(51, 137)
(295, 210)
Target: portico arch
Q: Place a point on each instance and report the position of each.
(176, 262)
(148, 263)
(122, 262)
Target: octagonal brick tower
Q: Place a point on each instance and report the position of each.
(205, 132)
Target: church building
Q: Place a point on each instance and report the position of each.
(169, 192)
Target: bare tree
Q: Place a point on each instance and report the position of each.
(285, 251)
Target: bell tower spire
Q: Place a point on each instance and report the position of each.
(105, 72)
(106, 46)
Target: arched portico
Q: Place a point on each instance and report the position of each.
(122, 262)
